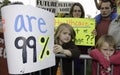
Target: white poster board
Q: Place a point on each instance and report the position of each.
(29, 38)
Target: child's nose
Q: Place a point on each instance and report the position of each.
(108, 52)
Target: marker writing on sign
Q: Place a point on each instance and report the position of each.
(87, 37)
(26, 43)
(44, 41)
(20, 25)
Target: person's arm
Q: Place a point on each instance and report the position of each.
(67, 52)
(69, 49)
(114, 59)
(98, 56)
(75, 52)
(59, 49)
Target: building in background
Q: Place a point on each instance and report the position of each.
(89, 5)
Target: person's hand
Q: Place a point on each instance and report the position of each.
(58, 49)
(94, 32)
(108, 70)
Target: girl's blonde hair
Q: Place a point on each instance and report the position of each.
(60, 28)
(106, 38)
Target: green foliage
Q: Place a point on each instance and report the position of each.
(5, 2)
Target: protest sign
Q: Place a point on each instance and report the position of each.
(29, 38)
(64, 7)
(50, 5)
(83, 29)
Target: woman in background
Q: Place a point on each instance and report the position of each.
(77, 11)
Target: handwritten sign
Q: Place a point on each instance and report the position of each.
(29, 38)
(50, 5)
(83, 29)
(118, 10)
(64, 7)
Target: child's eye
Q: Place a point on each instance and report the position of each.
(64, 33)
(105, 49)
(70, 34)
(111, 49)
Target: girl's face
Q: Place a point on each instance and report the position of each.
(77, 12)
(65, 36)
(107, 50)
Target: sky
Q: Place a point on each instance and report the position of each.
(88, 5)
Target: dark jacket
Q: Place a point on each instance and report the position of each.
(67, 61)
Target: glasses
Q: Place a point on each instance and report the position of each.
(76, 10)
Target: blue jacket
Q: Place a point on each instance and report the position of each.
(98, 17)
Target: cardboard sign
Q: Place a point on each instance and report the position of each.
(64, 7)
(83, 29)
(29, 38)
(50, 5)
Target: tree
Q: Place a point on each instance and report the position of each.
(4, 3)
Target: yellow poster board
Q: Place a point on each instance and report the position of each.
(118, 10)
(83, 29)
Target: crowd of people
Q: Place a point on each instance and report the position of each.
(105, 52)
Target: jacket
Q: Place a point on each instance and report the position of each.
(114, 30)
(104, 63)
(67, 61)
(99, 17)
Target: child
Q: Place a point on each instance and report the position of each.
(106, 55)
(64, 44)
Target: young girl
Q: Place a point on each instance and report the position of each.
(64, 44)
(106, 55)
